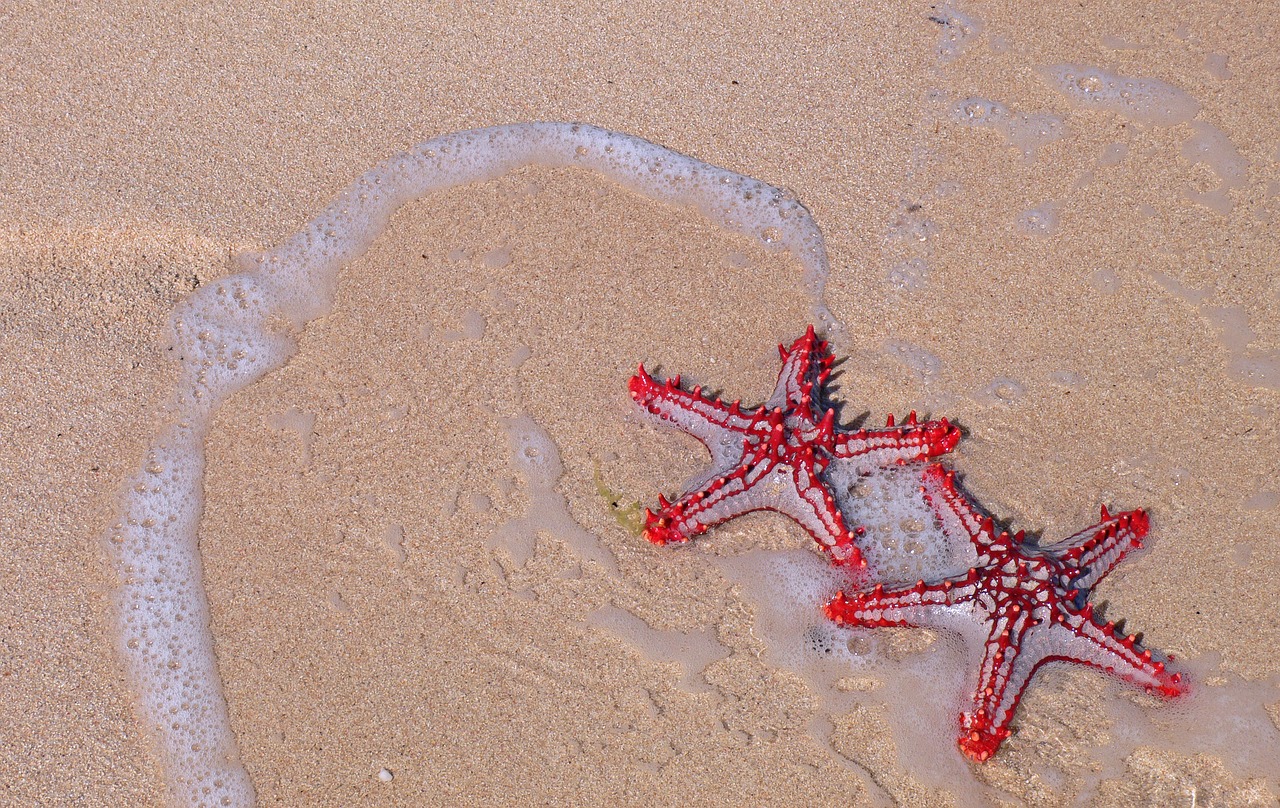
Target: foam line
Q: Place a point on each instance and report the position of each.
(233, 331)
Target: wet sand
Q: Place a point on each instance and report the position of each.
(1119, 348)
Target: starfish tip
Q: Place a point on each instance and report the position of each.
(1140, 523)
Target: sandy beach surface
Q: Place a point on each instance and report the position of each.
(403, 617)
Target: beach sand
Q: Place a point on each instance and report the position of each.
(1119, 345)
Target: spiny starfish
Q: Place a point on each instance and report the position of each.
(773, 457)
(1029, 601)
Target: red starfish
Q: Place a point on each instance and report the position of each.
(1028, 601)
(773, 457)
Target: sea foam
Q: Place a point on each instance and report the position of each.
(1145, 100)
(231, 332)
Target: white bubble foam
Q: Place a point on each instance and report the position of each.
(1002, 391)
(1246, 364)
(903, 541)
(1145, 100)
(231, 332)
(1225, 715)
(1025, 131)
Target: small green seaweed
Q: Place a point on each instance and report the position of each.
(629, 516)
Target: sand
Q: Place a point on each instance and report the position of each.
(1120, 347)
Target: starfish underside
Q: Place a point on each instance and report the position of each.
(1031, 602)
(773, 457)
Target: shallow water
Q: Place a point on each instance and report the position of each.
(1127, 356)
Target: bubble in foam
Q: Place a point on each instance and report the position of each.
(1026, 132)
(959, 31)
(1144, 100)
(1042, 220)
(904, 541)
(231, 332)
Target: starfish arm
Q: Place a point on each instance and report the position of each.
(908, 442)
(1095, 551)
(709, 420)
(719, 500)
(1076, 637)
(805, 366)
(957, 514)
(1006, 669)
(764, 484)
(944, 605)
(810, 503)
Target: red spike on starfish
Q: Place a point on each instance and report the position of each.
(1025, 596)
(773, 457)
(827, 428)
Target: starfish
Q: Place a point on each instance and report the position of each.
(1028, 602)
(773, 457)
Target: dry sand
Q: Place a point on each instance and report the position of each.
(1104, 361)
